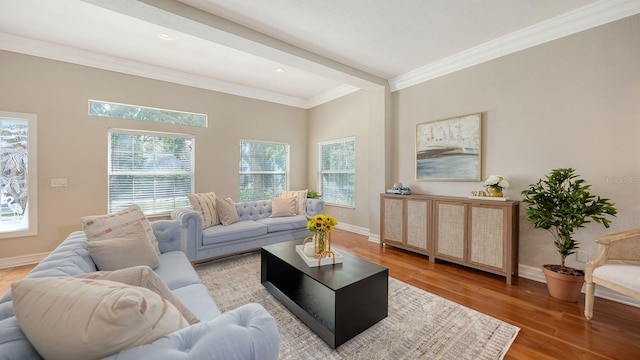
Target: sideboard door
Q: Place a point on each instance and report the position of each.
(393, 220)
(450, 230)
(417, 224)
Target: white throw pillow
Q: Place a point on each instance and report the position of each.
(227, 211)
(284, 206)
(205, 205)
(118, 225)
(71, 318)
(120, 253)
(144, 277)
(301, 195)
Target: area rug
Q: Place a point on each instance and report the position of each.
(420, 325)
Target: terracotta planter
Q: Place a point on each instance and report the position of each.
(562, 286)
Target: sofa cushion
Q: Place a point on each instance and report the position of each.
(125, 223)
(144, 277)
(119, 253)
(205, 205)
(301, 195)
(70, 318)
(236, 231)
(176, 270)
(196, 297)
(226, 211)
(284, 223)
(284, 206)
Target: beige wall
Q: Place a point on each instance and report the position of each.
(344, 117)
(73, 145)
(573, 102)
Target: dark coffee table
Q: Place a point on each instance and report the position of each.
(337, 302)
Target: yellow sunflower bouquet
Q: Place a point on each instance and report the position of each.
(321, 223)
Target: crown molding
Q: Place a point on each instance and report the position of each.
(76, 56)
(332, 94)
(584, 18)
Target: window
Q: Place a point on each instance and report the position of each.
(18, 178)
(337, 171)
(134, 112)
(153, 170)
(263, 169)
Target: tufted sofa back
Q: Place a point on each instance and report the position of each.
(260, 209)
(254, 210)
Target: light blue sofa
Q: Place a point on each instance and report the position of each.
(254, 230)
(247, 332)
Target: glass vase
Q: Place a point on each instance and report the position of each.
(321, 244)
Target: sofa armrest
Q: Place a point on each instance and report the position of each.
(190, 230)
(248, 332)
(168, 234)
(314, 207)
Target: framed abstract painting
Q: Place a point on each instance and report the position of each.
(449, 149)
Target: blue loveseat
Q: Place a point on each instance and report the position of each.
(254, 229)
(247, 332)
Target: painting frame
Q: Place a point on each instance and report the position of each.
(449, 149)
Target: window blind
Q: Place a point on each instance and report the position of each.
(263, 169)
(337, 171)
(152, 170)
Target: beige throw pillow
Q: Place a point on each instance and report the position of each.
(71, 318)
(301, 196)
(205, 204)
(144, 277)
(118, 225)
(227, 211)
(284, 206)
(120, 253)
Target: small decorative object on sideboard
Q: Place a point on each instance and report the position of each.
(479, 193)
(495, 184)
(399, 189)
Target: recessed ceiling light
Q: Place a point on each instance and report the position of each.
(165, 37)
(279, 70)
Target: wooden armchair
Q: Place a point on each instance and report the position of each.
(615, 266)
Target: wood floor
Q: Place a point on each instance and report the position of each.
(550, 329)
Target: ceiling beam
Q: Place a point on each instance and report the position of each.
(190, 20)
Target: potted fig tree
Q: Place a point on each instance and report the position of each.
(562, 203)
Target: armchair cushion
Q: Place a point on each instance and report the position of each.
(625, 275)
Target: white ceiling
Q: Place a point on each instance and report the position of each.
(326, 48)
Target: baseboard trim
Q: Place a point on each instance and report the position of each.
(22, 260)
(536, 274)
(353, 228)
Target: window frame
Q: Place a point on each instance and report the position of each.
(287, 172)
(163, 113)
(321, 172)
(154, 134)
(32, 175)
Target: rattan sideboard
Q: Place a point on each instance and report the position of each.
(479, 233)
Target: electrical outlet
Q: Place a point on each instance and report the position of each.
(61, 182)
(581, 256)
